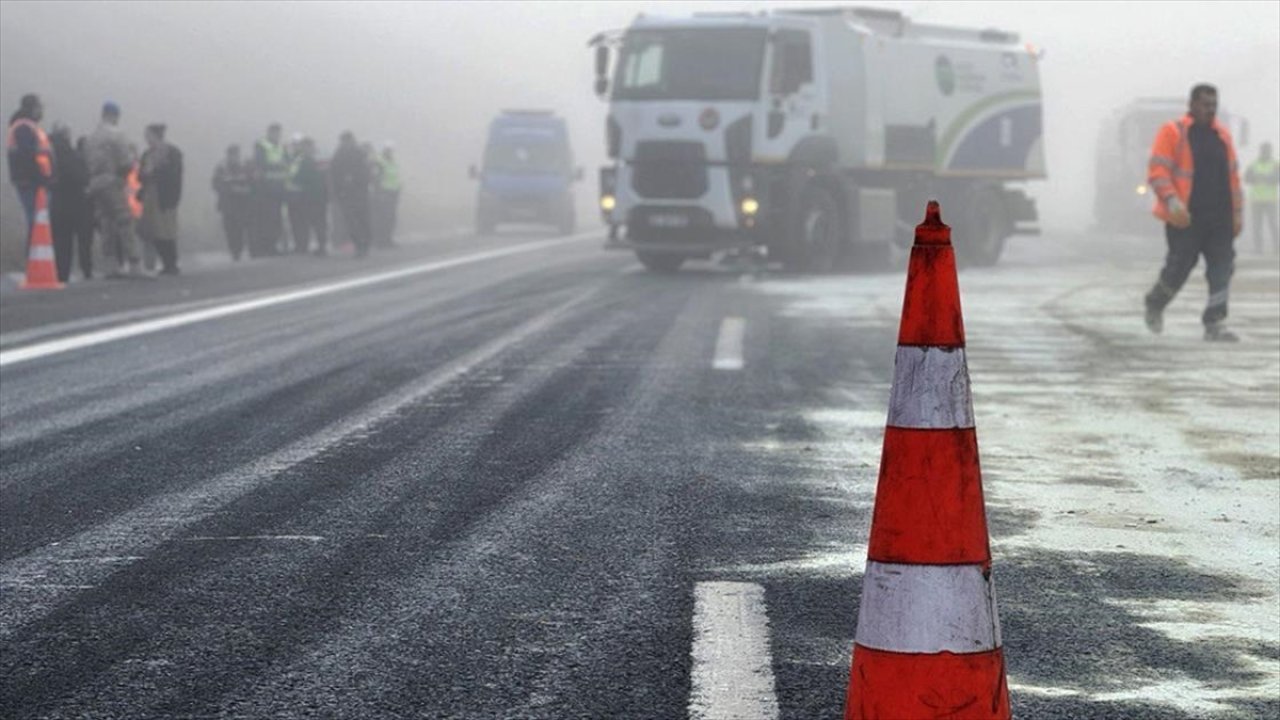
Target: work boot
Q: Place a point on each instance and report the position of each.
(1218, 332)
(1155, 320)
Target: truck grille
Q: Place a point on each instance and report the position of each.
(671, 170)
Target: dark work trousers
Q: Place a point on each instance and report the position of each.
(299, 228)
(384, 216)
(309, 216)
(71, 222)
(1263, 215)
(1186, 245)
(268, 224)
(236, 223)
(27, 198)
(355, 215)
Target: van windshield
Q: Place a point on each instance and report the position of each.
(532, 156)
(690, 64)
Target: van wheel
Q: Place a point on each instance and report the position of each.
(817, 238)
(660, 262)
(987, 228)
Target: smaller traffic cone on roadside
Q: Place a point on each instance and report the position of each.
(928, 639)
(41, 274)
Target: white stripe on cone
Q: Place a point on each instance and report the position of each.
(927, 609)
(930, 389)
(42, 252)
(42, 217)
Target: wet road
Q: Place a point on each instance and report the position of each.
(523, 478)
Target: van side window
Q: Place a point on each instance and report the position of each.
(792, 62)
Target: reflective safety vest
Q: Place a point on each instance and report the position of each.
(1263, 179)
(389, 177)
(1171, 167)
(44, 151)
(275, 166)
(132, 185)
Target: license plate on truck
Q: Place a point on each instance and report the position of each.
(668, 220)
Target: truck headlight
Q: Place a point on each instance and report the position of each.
(608, 202)
(750, 206)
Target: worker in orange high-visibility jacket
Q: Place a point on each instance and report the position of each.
(1195, 178)
(30, 155)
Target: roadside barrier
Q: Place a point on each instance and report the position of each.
(928, 637)
(41, 273)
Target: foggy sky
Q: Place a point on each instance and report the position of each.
(429, 76)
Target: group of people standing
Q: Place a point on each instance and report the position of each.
(99, 184)
(279, 181)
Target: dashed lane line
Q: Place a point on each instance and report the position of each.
(98, 337)
(729, 344)
(732, 667)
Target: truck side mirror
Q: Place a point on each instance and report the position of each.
(473, 173)
(602, 69)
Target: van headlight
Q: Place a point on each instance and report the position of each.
(749, 206)
(608, 203)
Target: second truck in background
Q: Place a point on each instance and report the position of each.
(815, 134)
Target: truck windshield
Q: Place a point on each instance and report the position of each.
(525, 158)
(690, 64)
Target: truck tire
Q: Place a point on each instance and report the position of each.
(660, 262)
(817, 238)
(987, 228)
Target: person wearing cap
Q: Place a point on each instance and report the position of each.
(110, 161)
(349, 173)
(70, 212)
(271, 161)
(161, 175)
(30, 155)
(386, 196)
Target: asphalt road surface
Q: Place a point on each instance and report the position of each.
(520, 477)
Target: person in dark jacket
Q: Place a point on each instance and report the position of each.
(30, 155)
(349, 170)
(70, 211)
(161, 176)
(233, 184)
(311, 203)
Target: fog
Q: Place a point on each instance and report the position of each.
(429, 76)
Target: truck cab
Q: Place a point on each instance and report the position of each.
(791, 131)
(527, 172)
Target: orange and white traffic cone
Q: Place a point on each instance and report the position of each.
(41, 273)
(928, 639)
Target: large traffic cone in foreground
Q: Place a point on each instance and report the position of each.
(41, 274)
(928, 638)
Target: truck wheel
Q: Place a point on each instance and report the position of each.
(987, 229)
(660, 262)
(817, 240)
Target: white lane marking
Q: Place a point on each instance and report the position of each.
(150, 525)
(930, 389)
(927, 609)
(98, 337)
(243, 538)
(729, 344)
(732, 668)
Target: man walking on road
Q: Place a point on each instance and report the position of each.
(161, 177)
(1263, 178)
(1193, 173)
(70, 212)
(110, 161)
